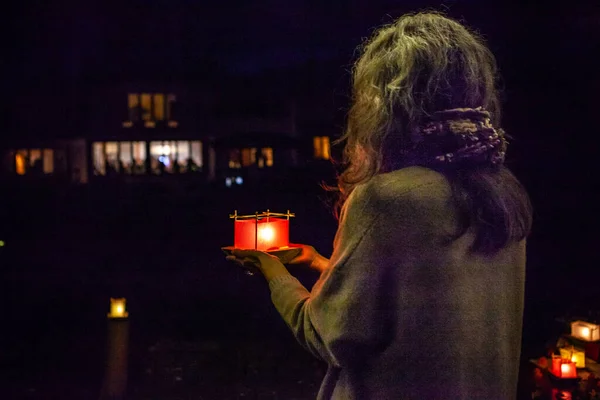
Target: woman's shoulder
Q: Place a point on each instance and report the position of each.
(414, 198)
(416, 191)
(406, 183)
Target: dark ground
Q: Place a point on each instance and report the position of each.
(199, 327)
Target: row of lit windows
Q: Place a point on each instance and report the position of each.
(165, 156)
(130, 157)
(250, 156)
(34, 161)
(321, 147)
(150, 108)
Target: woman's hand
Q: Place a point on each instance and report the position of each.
(268, 265)
(309, 256)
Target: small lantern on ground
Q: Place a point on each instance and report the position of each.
(573, 354)
(585, 331)
(118, 308)
(563, 368)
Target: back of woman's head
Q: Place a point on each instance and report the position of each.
(409, 73)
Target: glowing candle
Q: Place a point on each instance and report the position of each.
(117, 308)
(585, 331)
(575, 355)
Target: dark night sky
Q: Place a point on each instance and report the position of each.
(66, 39)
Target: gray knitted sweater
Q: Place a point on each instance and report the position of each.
(403, 312)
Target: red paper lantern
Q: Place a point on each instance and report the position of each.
(266, 231)
(261, 234)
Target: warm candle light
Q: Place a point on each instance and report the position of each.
(568, 370)
(578, 358)
(585, 331)
(266, 233)
(117, 308)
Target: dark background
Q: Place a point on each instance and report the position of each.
(68, 250)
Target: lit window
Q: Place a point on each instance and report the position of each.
(159, 107)
(182, 155)
(125, 157)
(150, 107)
(326, 148)
(48, 161)
(317, 146)
(321, 147)
(133, 104)
(21, 162)
(248, 157)
(139, 157)
(162, 156)
(267, 153)
(98, 158)
(196, 154)
(146, 107)
(111, 151)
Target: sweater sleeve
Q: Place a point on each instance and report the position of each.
(343, 318)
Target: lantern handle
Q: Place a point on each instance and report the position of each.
(256, 215)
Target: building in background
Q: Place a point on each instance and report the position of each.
(160, 131)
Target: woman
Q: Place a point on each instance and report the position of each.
(423, 295)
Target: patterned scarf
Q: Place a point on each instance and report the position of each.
(460, 136)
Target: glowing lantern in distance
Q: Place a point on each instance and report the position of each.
(563, 368)
(585, 331)
(118, 308)
(577, 356)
